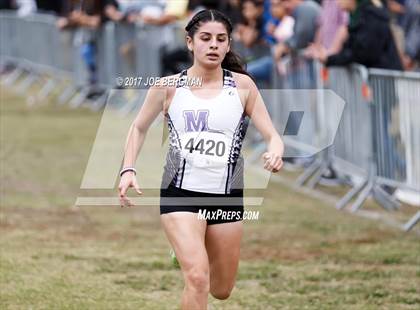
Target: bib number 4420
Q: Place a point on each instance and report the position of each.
(207, 147)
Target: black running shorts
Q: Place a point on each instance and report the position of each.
(214, 208)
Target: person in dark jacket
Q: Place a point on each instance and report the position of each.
(370, 41)
(7, 5)
(51, 7)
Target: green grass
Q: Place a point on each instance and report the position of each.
(300, 254)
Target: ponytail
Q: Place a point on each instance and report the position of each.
(233, 62)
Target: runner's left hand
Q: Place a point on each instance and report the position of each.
(272, 161)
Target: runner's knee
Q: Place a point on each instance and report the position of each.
(198, 279)
(221, 293)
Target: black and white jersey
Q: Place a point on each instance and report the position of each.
(206, 137)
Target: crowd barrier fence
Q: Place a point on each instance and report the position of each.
(377, 142)
(38, 47)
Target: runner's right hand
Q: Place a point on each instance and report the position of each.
(128, 180)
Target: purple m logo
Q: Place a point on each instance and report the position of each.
(197, 122)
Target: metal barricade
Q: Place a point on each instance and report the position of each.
(352, 154)
(377, 142)
(149, 48)
(297, 72)
(397, 127)
(37, 46)
(353, 143)
(35, 37)
(64, 51)
(397, 133)
(9, 47)
(43, 53)
(290, 94)
(121, 51)
(8, 22)
(30, 54)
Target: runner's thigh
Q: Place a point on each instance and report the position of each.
(186, 234)
(223, 243)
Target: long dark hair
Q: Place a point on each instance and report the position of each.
(232, 60)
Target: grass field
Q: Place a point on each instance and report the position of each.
(300, 254)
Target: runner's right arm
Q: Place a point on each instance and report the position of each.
(152, 106)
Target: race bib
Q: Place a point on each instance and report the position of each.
(206, 149)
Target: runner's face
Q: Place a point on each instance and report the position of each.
(210, 44)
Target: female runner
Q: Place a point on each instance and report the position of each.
(204, 169)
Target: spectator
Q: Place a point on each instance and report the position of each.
(205, 4)
(396, 10)
(370, 40)
(45, 6)
(25, 7)
(333, 28)
(331, 35)
(284, 29)
(159, 13)
(86, 16)
(7, 5)
(411, 26)
(306, 15)
(124, 11)
(248, 35)
(250, 30)
(232, 9)
(370, 43)
(261, 69)
(268, 20)
(300, 73)
(81, 13)
(113, 12)
(135, 6)
(173, 11)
